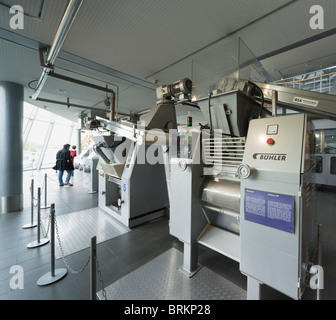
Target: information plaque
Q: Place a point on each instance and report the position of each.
(270, 209)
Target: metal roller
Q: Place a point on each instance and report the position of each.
(221, 203)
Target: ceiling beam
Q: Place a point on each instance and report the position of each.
(35, 45)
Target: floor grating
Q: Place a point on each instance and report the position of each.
(77, 228)
(160, 279)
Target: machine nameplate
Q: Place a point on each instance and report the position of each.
(307, 102)
(270, 156)
(270, 209)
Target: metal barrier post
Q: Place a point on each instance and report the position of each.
(93, 272)
(39, 242)
(53, 275)
(320, 234)
(46, 206)
(32, 224)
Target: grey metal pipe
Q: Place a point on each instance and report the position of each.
(32, 202)
(38, 215)
(61, 34)
(52, 240)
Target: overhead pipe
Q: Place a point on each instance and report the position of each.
(113, 109)
(61, 34)
(69, 104)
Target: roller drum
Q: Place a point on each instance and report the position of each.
(221, 203)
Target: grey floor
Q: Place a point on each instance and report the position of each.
(124, 254)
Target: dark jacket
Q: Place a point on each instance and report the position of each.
(63, 160)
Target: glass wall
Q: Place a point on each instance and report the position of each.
(44, 133)
(330, 141)
(323, 81)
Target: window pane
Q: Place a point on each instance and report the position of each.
(28, 110)
(317, 141)
(50, 157)
(330, 141)
(333, 165)
(319, 164)
(59, 136)
(62, 132)
(44, 115)
(32, 148)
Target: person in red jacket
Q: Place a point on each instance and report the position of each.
(73, 153)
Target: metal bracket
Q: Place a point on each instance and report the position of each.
(43, 65)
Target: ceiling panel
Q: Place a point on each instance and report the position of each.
(18, 64)
(307, 58)
(158, 40)
(141, 37)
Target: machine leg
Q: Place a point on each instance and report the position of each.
(253, 289)
(190, 260)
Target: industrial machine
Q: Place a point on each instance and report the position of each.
(243, 186)
(133, 184)
(86, 170)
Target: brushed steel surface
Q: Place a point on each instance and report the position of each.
(222, 193)
(160, 279)
(77, 228)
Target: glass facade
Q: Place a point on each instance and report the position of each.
(330, 141)
(44, 133)
(323, 81)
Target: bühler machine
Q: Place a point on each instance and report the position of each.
(132, 178)
(242, 185)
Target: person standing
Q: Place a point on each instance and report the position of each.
(73, 153)
(64, 163)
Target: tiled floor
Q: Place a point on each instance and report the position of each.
(121, 255)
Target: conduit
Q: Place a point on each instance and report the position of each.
(61, 34)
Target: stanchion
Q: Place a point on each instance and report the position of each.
(46, 206)
(39, 242)
(320, 235)
(53, 275)
(32, 224)
(93, 271)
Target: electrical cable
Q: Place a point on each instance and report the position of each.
(210, 118)
(30, 84)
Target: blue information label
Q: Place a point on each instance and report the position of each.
(270, 209)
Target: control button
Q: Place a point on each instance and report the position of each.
(270, 142)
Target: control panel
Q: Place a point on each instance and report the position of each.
(272, 210)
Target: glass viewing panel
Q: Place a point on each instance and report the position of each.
(333, 165)
(222, 68)
(318, 141)
(330, 141)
